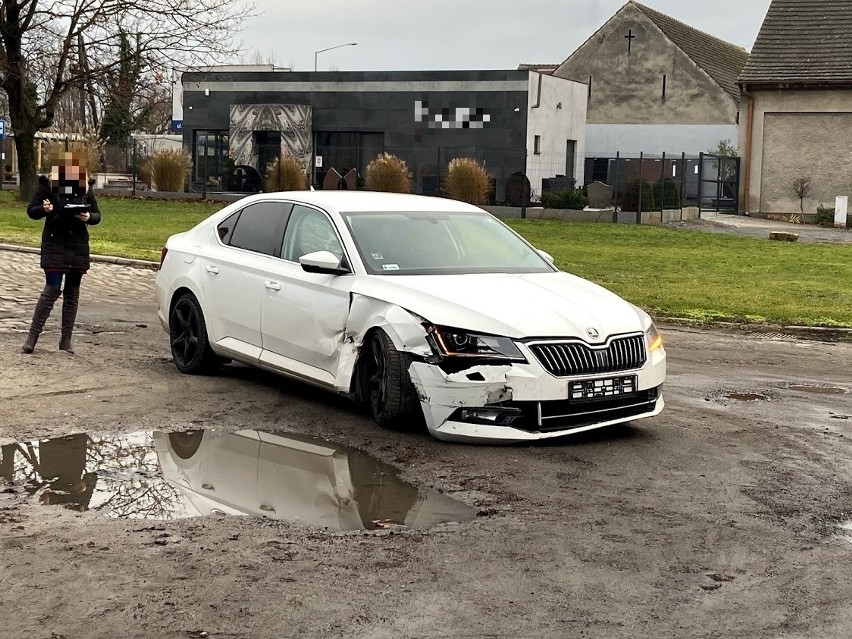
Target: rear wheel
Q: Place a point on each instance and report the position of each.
(188, 337)
(386, 385)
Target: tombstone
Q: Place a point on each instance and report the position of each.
(600, 195)
(244, 179)
(331, 182)
(517, 190)
(350, 180)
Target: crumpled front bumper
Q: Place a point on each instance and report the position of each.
(542, 398)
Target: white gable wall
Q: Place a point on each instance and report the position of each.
(556, 114)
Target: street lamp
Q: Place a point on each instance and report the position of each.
(316, 53)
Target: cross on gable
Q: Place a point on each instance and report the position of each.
(629, 38)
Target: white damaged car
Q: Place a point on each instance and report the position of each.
(424, 309)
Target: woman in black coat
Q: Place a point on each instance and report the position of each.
(67, 208)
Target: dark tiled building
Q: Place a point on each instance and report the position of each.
(515, 121)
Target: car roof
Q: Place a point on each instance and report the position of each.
(373, 201)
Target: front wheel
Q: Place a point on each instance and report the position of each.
(386, 384)
(188, 337)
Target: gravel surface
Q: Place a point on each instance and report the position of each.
(719, 518)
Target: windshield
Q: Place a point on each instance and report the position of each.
(440, 243)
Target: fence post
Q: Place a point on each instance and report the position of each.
(700, 182)
(663, 189)
(135, 169)
(641, 171)
(682, 183)
(617, 179)
(206, 169)
(718, 182)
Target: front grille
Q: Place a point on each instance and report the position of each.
(565, 414)
(566, 359)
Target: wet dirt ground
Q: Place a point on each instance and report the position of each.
(723, 517)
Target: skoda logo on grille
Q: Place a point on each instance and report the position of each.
(592, 332)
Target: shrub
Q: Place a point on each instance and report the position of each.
(666, 192)
(286, 174)
(565, 199)
(824, 215)
(169, 169)
(467, 180)
(630, 200)
(388, 173)
(143, 172)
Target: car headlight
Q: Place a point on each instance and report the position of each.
(454, 342)
(653, 339)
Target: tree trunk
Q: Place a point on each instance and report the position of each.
(25, 146)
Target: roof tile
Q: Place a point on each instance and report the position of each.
(803, 41)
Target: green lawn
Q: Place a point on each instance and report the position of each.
(130, 228)
(670, 272)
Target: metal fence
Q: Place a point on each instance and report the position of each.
(647, 182)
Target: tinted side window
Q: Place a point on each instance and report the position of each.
(309, 231)
(226, 227)
(259, 227)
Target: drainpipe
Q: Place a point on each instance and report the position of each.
(748, 147)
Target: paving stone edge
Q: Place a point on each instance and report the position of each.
(104, 259)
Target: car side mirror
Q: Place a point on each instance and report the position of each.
(322, 262)
(546, 255)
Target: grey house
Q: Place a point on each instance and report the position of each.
(656, 85)
(797, 107)
(337, 122)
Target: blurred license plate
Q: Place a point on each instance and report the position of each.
(600, 389)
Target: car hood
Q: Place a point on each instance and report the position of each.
(518, 306)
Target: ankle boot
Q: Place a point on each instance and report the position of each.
(70, 301)
(42, 311)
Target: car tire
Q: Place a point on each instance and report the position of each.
(191, 349)
(386, 384)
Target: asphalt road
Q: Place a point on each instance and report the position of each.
(720, 518)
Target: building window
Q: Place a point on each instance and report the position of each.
(664, 86)
(210, 157)
(590, 86)
(537, 145)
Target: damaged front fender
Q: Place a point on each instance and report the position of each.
(365, 313)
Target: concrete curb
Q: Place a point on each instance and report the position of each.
(103, 259)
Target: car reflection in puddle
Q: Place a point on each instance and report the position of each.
(164, 476)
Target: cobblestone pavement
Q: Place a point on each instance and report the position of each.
(21, 281)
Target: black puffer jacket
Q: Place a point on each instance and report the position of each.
(65, 239)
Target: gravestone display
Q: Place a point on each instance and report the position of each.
(244, 179)
(350, 180)
(331, 181)
(600, 195)
(517, 190)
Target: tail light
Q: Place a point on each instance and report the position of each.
(163, 252)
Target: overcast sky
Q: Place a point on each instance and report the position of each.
(461, 34)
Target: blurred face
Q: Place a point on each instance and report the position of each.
(69, 178)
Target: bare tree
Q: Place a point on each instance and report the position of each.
(49, 48)
(802, 187)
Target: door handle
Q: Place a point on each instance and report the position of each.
(272, 286)
(212, 269)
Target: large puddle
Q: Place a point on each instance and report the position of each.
(164, 476)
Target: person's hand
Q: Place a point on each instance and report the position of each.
(47, 205)
(83, 217)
